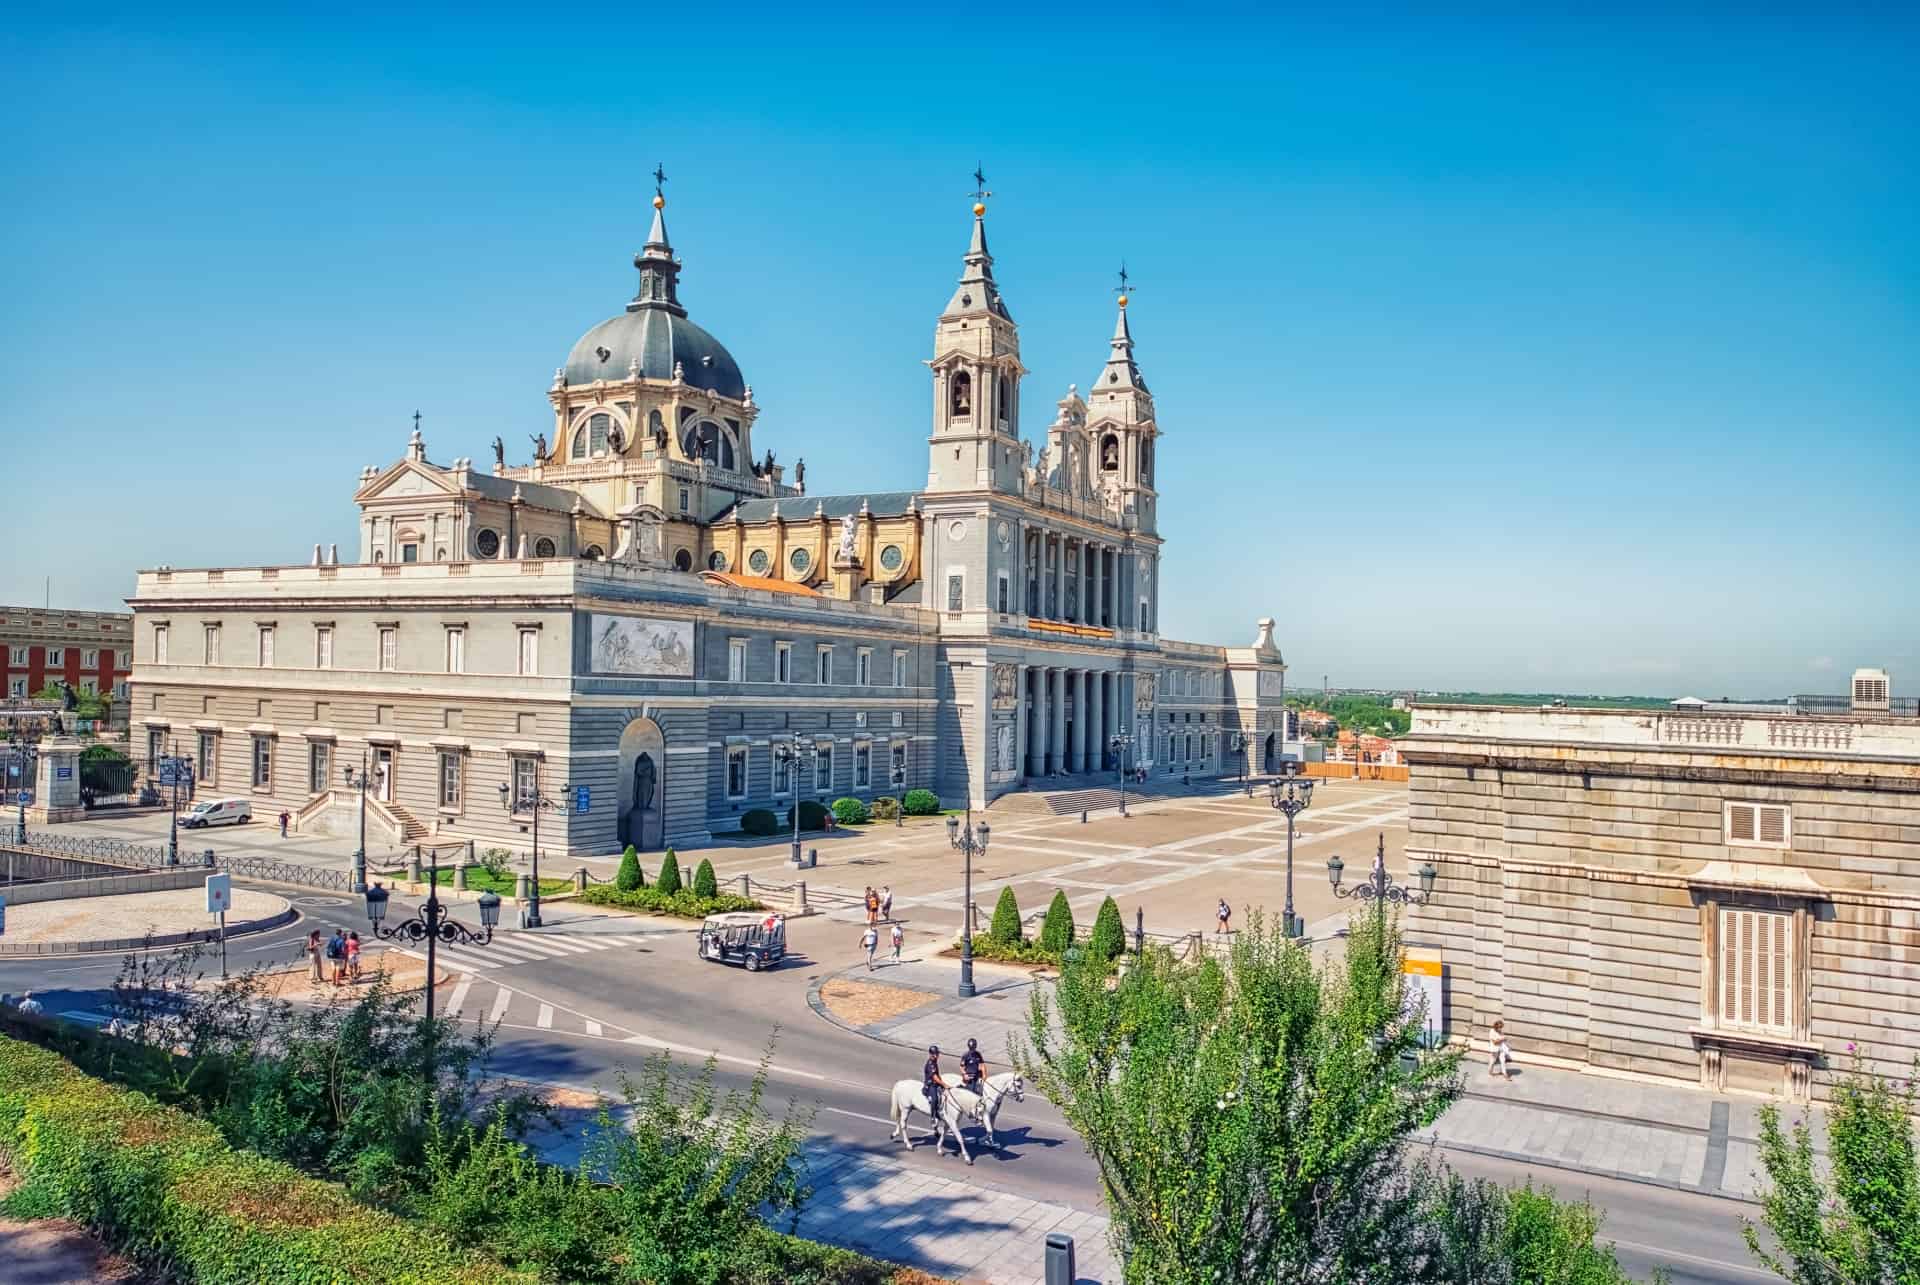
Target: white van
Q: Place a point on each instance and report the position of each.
(218, 812)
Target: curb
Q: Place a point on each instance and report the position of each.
(1615, 1175)
(117, 944)
(819, 1006)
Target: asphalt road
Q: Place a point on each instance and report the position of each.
(578, 1019)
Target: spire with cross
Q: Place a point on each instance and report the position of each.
(659, 177)
(980, 192)
(1126, 288)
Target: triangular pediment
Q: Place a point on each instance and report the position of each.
(407, 479)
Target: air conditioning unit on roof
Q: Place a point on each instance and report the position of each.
(1872, 690)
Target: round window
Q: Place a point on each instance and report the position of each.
(543, 548)
(758, 562)
(682, 560)
(956, 530)
(799, 561)
(593, 553)
(891, 557)
(717, 561)
(487, 543)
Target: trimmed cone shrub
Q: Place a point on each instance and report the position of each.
(669, 880)
(851, 811)
(1006, 919)
(703, 882)
(886, 808)
(1109, 937)
(628, 877)
(760, 821)
(813, 816)
(1056, 930)
(920, 803)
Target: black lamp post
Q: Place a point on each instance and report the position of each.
(531, 800)
(1291, 794)
(1119, 743)
(791, 754)
(360, 780)
(968, 840)
(431, 925)
(17, 782)
(1380, 887)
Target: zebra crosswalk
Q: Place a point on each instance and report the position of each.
(487, 1001)
(510, 948)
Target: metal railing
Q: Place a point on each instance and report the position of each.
(147, 857)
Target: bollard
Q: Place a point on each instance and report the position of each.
(1083, 816)
(521, 885)
(460, 877)
(746, 886)
(800, 898)
(206, 858)
(1060, 1264)
(1139, 930)
(413, 867)
(580, 879)
(813, 857)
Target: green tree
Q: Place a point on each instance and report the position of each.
(1108, 938)
(1056, 930)
(1861, 1226)
(1006, 920)
(1249, 1117)
(669, 880)
(703, 880)
(1479, 1233)
(628, 876)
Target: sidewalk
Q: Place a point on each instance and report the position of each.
(1641, 1131)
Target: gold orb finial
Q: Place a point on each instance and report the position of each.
(1123, 301)
(659, 202)
(979, 208)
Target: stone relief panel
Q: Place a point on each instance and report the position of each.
(1005, 678)
(642, 647)
(1143, 691)
(1003, 737)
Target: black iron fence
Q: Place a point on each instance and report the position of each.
(148, 856)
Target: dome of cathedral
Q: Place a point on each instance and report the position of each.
(657, 339)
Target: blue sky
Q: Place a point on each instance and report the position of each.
(1517, 352)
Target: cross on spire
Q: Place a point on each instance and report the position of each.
(659, 177)
(416, 421)
(1125, 288)
(979, 192)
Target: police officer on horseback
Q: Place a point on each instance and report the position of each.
(931, 1081)
(972, 1068)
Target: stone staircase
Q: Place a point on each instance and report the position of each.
(411, 830)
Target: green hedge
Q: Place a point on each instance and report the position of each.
(163, 1186)
(813, 815)
(1006, 919)
(759, 821)
(851, 811)
(668, 881)
(686, 903)
(628, 877)
(1015, 952)
(920, 803)
(1056, 930)
(704, 884)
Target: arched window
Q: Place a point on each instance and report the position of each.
(962, 394)
(717, 561)
(1003, 406)
(579, 444)
(1146, 462)
(597, 434)
(726, 450)
(657, 429)
(543, 548)
(487, 543)
(703, 442)
(593, 553)
(1109, 454)
(682, 560)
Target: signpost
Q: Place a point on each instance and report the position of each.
(219, 898)
(582, 799)
(3, 916)
(1425, 997)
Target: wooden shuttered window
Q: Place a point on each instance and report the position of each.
(1756, 970)
(1761, 825)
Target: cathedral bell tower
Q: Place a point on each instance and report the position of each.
(1120, 422)
(976, 367)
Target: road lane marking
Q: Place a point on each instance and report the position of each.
(500, 1002)
(545, 1020)
(876, 1119)
(593, 1027)
(1659, 1255)
(459, 996)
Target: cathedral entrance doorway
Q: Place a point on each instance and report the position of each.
(642, 802)
(1272, 757)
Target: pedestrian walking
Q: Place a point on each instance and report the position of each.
(337, 956)
(314, 949)
(873, 906)
(1224, 915)
(284, 818)
(353, 957)
(1500, 1062)
(896, 935)
(870, 942)
(886, 903)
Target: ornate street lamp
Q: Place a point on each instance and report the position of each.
(360, 780)
(1291, 794)
(531, 800)
(1380, 887)
(1119, 743)
(791, 755)
(968, 841)
(431, 923)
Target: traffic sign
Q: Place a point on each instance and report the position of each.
(26, 797)
(3, 916)
(63, 773)
(582, 799)
(219, 893)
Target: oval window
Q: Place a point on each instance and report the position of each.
(758, 562)
(682, 560)
(543, 548)
(716, 561)
(799, 561)
(891, 557)
(487, 543)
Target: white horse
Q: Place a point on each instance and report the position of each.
(985, 1105)
(909, 1097)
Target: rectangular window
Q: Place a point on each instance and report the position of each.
(263, 762)
(823, 658)
(409, 553)
(18, 655)
(529, 651)
(156, 748)
(862, 765)
(389, 647)
(736, 660)
(863, 667)
(956, 591)
(159, 644)
(783, 662)
(456, 651)
(206, 762)
(897, 768)
(1001, 590)
(56, 656)
(525, 781)
(319, 767)
(266, 647)
(451, 764)
(18, 688)
(1756, 970)
(783, 769)
(210, 636)
(686, 500)
(90, 686)
(323, 647)
(1759, 825)
(899, 669)
(737, 772)
(823, 769)
(90, 659)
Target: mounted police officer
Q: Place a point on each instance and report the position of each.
(931, 1081)
(972, 1068)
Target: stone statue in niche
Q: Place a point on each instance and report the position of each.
(1004, 678)
(847, 534)
(617, 438)
(499, 453)
(1040, 466)
(1003, 748)
(539, 441)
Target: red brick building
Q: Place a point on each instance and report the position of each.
(92, 650)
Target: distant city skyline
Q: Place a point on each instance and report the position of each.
(1542, 355)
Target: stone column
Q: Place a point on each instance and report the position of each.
(1079, 721)
(1021, 707)
(1097, 720)
(1059, 611)
(1037, 733)
(1093, 595)
(1057, 735)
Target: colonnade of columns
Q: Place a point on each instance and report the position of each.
(1050, 743)
(1081, 587)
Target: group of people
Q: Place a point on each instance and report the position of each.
(26, 1003)
(341, 953)
(973, 1074)
(879, 903)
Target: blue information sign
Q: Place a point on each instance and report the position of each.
(63, 773)
(582, 799)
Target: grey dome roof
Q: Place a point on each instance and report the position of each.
(658, 338)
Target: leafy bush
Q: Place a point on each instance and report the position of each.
(162, 1185)
(669, 881)
(1479, 1231)
(628, 877)
(813, 815)
(684, 904)
(1056, 930)
(886, 808)
(1006, 919)
(759, 821)
(851, 811)
(1017, 952)
(920, 803)
(497, 862)
(703, 881)
(1109, 936)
